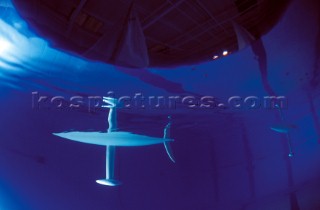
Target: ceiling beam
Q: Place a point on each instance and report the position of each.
(157, 18)
(74, 15)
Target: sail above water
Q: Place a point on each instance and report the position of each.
(132, 48)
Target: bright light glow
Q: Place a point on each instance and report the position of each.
(225, 53)
(4, 46)
(215, 57)
(16, 47)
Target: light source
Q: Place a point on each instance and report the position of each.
(225, 53)
(4, 46)
(215, 57)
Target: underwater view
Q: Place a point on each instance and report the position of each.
(159, 105)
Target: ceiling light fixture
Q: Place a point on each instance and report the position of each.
(225, 53)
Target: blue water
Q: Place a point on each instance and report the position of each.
(225, 158)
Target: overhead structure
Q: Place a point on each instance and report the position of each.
(157, 33)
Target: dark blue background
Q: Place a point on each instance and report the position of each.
(226, 159)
